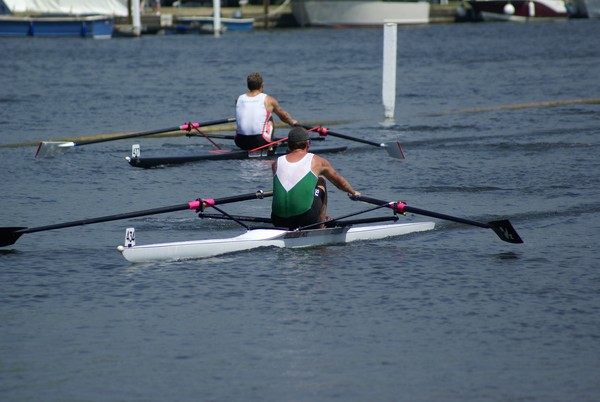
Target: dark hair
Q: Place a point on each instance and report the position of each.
(297, 138)
(297, 145)
(254, 81)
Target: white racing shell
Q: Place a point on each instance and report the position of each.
(256, 238)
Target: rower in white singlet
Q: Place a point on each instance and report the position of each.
(254, 115)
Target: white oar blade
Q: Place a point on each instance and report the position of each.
(394, 149)
(49, 149)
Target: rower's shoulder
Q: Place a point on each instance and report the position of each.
(320, 162)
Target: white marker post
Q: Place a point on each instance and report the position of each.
(136, 19)
(390, 34)
(217, 17)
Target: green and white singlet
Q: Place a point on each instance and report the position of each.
(293, 187)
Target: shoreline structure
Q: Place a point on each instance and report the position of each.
(278, 17)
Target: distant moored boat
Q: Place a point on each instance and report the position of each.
(520, 10)
(205, 24)
(90, 26)
(64, 18)
(359, 13)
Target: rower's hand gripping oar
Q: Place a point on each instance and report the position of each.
(9, 235)
(393, 148)
(502, 228)
(53, 148)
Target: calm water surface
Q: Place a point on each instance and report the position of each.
(453, 314)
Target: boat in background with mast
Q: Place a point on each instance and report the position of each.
(519, 10)
(359, 13)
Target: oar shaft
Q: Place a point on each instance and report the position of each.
(402, 208)
(108, 218)
(236, 198)
(336, 222)
(186, 126)
(324, 131)
(502, 228)
(9, 235)
(219, 136)
(213, 203)
(432, 214)
(197, 204)
(126, 136)
(236, 217)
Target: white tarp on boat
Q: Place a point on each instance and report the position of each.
(107, 7)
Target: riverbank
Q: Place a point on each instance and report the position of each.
(271, 18)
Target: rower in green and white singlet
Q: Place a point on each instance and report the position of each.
(299, 191)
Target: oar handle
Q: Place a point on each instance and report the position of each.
(324, 131)
(260, 194)
(207, 123)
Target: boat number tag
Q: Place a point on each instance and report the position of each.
(135, 151)
(130, 237)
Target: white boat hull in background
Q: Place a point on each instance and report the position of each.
(356, 13)
(257, 238)
(72, 7)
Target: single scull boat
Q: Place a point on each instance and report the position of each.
(215, 154)
(256, 238)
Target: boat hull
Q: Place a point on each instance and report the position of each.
(206, 24)
(96, 26)
(258, 238)
(359, 13)
(520, 10)
(229, 154)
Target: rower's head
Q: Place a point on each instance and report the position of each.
(254, 81)
(298, 138)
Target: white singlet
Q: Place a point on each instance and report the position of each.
(252, 117)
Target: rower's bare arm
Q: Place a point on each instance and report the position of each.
(333, 176)
(282, 114)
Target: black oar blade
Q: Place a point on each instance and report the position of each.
(505, 231)
(9, 235)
